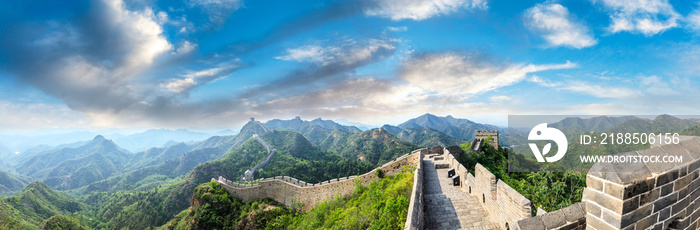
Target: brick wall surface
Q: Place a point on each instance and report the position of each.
(499, 199)
(646, 196)
(295, 193)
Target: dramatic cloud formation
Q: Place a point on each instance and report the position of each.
(420, 9)
(558, 26)
(648, 17)
(91, 64)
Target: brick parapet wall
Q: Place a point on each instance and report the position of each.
(500, 200)
(646, 196)
(572, 217)
(414, 220)
(293, 192)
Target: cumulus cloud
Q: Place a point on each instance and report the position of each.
(420, 9)
(648, 17)
(185, 48)
(558, 26)
(458, 73)
(90, 63)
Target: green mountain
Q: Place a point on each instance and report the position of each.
(64, 222)
(427, 137)
(70, 168)
(392, 129)
(424, 137)
(332, 125)
(11, 183)
(37, 202)
(662, 123)
(595, 124)
(459, 128)
(376, 146)
(154, 175)
(313, 132)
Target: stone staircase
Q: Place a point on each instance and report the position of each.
(446, 206)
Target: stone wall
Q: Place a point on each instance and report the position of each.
(479, 136)
(296, 193)
(572, 217)
(248, 175)
(646, 196)
(499, 199)
(414, 220)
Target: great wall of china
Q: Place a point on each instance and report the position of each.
(645, 196)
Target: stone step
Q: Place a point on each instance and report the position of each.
(490, 226)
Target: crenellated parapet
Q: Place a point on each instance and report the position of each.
(294, 192)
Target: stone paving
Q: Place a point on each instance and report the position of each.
(446, 206)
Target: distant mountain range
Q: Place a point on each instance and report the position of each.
(455, 127)
(133, 142)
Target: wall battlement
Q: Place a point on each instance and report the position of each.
(248, 175)
(293, 192)
(651, 195)
(480, 136)
(500, 200)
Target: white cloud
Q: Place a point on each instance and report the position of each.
(420, 9)
(39, 116)
(345, 52)
(648, 17)
(558, 26)
(142, 31)
(600, 91)
(185, 48)
(693, 19)
(193, 79)
(500, 98)
(459, 74)
(218, 10)
(397, 29)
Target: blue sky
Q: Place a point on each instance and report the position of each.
(214, 63)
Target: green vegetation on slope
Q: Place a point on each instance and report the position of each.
(427, 137)
(376, 146)
(37, 202)
(296, 157)
(65, 223)
(381, 205)
(11, 183)
(214, 208)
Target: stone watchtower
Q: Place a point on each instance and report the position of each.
(480, 136)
